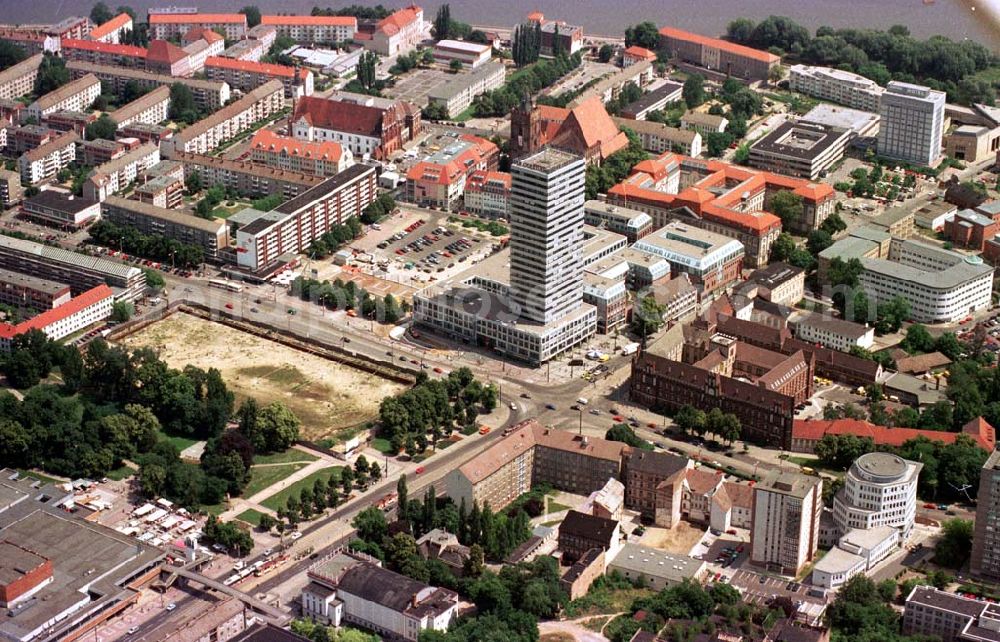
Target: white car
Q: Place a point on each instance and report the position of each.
(513, 406)
(296, 535)
(171, 606)
(267, 552)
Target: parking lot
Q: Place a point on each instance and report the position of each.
(417, 84)
(762, 589)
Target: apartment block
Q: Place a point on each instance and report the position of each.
(45, 161)
(31, 42)
(487, 193)
(289, 154)
(786, 511)
(458, 94)
(76, 95)
(439, 179)
(80, 271)
(313, 29)
(985, 562)
(150, 108)
(30, 292)
(101, 53)
(210, 235)
(395, 34)
(162, 191)
(246, 178)
(579, 533)
(114, 176)
(208, 95)
(658, 138)
(10, 188)
(835, 85)
(246, 75)
(912, 123)
(833, 332)
(950, 617)
(163, 26)
(653, 485)
(19, 80)
(293, 225)
(113, 31)
(83, 311)
(229, 122)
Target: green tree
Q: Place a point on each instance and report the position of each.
(605, 53)
(740, 30)
(953, 547)
(52, 74)
(833, 224)
(783, 248)
(182, 103)
(442, 22)
(918, 340)
(371, 524)
(10, 54)
(648, 317)
(104, 127)
(694, 90)
(818, 240)
(644, 34)
(788, 206)
(690, 420)
(253, 15)
(122, 311)
(455, 66)
(100, 13)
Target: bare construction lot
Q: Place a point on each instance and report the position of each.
(325, 395)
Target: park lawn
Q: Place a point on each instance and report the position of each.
(215, 509)
(290, 456)
(263, 477)
(120, 473)
(555, 507)
(280, 498)
(469, 112)
(382, 445)
(251, 517)
(180, 442)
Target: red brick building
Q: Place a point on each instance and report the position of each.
(722, 56)
(22, 572)
(970, 229)
(806, 433)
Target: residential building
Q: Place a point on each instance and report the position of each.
(45, 161)
(610, 86)
(880, 489)
(679, 298)
(439, 544)
(150, 108)
(76, 95)
(950, 617)
(289, 154)
(246, 178)
(163, 26)
(69, 121)
(27, 137)
(369, 128)
(313, 30)
(200, 45)
(395, 34)
(83, 311)
(719, 197)
(586, 130)
(10, 189)
(703, 122)
(577, 580)
(10, 111)
(71, 27)
(470, 54)
(836, 85)
(349, 588)
(208, 95)
(31, 42)
(458, 94)
(633, 224)
(711, 260)
(102, 150)
(985, 562)
(779, 283)
(785, 530)
(699, 490)
(247, 76)
(609, 298)
(832, 332)
(717, 55)
(759, 386)
(210, 235)
(31, 293)
(162, 191)
(636, 54)
(265, 34)
(51, 555)
(147, 133)
(80, 271)
(970, 229)
(113, 31)
(653, 485)
(229, 122)
(284, 229)
(659, 568)
(114, 176)
(250, 49)
(487, 194)
(52, 207)
(103, 53)
(580, 532)
(19, 79)
(655, 100)
(912, 123)
(659, 138)
(557, 36)
(608, 502)
(805, 150)
(439, 180)
(220, 620)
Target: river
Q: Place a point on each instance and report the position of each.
(956, 19)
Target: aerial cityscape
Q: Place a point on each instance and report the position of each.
(374, 322)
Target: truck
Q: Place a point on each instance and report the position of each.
(630, 348)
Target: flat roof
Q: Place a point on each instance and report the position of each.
(60, 201)
(668, 91)
(833, 324)
(654, 562)
(687, 245)
(838, 561)
(66, 257)
(788, 483)
(844, 117)
(804, 141)
(461, 82)
(177, 217)
(547, 159)
(32, 282)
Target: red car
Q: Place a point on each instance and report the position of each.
(229, 306)
(618, 418)
(930, 506)
(419, 470)
(438, 370)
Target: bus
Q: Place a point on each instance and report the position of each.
(222, 284)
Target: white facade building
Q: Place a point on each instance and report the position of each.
(784, 533)
(880, 489)
(835, 85)
(912, 123)
(832, 332)
(470, 54)
(313, 29)
(76, 95)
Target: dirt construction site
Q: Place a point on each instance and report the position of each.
(324, 395)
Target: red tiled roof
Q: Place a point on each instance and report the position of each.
(723, 45)
(196, 18)
(47, 318)
(635, 51)
(815, 429)
(740, 494)
(480, 177)
(399, 20)
(114, 24)
(339, 116)
(201, 33)
(329, 21)
(700, 480)
(447, 173)
(268, 140)
(104, 47)
(166, 52)
(536, 16)
(252, 67)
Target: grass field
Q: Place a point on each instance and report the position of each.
(278, 500)
(180, 442)
(381, 445)
(264, 476)
(120, 473)
(251, 517)
(292, 455)
(326, 396)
